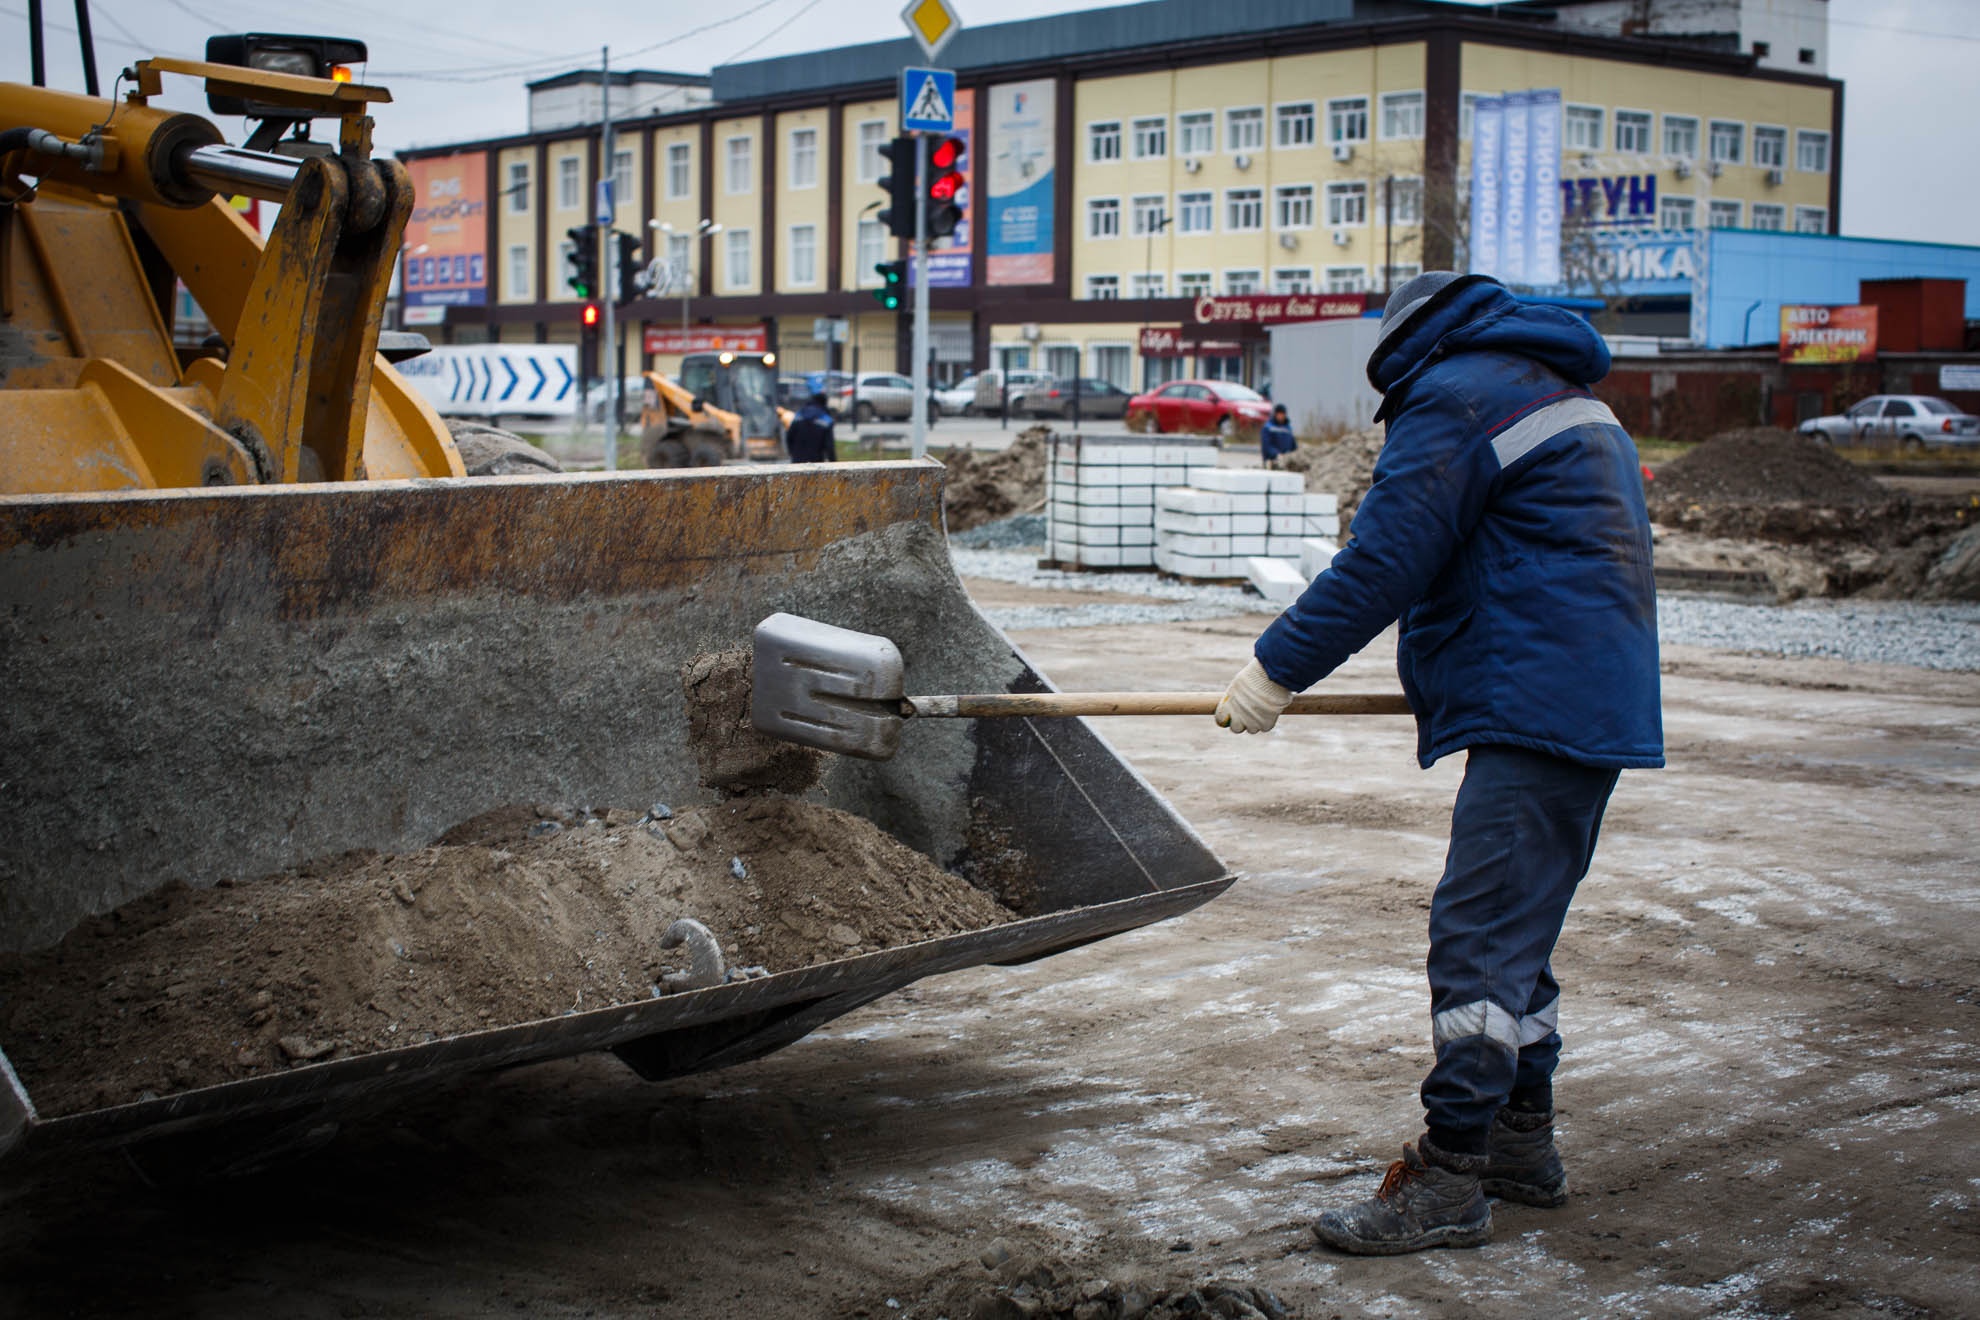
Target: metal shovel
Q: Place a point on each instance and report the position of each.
(830, 687)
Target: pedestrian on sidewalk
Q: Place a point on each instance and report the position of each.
(1506, 531)
(809, 438)
(1276, 436)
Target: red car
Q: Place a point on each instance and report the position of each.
(1201, 406)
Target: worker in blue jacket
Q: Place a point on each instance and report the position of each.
(1506, 531)
(809, 438)
(1276, 436)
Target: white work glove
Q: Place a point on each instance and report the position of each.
(1253, 702)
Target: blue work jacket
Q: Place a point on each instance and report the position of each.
(1275, 438)
(1506, 530)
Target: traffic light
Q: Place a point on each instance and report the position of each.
(582, 260)
(899, 186)
(893, 281)
(631, 269)
(945, 184)
(590, 316)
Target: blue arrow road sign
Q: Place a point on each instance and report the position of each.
(928, 100)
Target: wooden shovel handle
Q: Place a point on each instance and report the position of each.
(1141, 703)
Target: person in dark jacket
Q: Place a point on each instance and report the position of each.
(1276, 437)
(1506, 531)
(809, 437)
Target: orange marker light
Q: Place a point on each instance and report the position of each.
(340, 73)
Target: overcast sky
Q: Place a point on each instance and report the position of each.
(456, 70)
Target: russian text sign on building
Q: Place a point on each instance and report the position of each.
(1516, 194)
(1276, 308)
(932, 23)
(1811, 334)
(706, 339)
(928, 100)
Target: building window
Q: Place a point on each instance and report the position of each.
(1151, 138)
(1722, 214)
(1193, 284)
(1292, 279)
(1727, 138)
(872, 251)
(1103, 141)
(1807, 55)
(1633, 132)
(518, 188)
(1103, 288)
(1675, 212)
(1295, 125)
(1198, 133)
(1402, 115)
(1112, 363)
(1242, 281)
(1149, 284)
(1292, 206)
(1681, 136)
(1467, 113)
(1394, 275)
(567, 183)
(1196, 212)
(1583, 127)
(1767, 215)
(1347, 120)
(1347, 279)
(622, 176)
(1811, 151)
(1762, 49)
(1811, 219)
(1405, 201)
(735, 177)
(1161, 370)
(1347, 204)
(678, 181)
(1769, 147)
(1103, 217)
(1244, 130)
(804, 255)
(872, 137)
(519, 272)
(680, 252)
(804, 158)
(735, 251)
(1244, 209)
(1150, 215)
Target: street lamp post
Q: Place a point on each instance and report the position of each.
(706, 229)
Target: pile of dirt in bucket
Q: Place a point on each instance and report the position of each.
(1343, 467)
(983, 487)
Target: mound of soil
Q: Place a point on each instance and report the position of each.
(983, 487)
(1765, 466)
(516, 916)
(1343, 467)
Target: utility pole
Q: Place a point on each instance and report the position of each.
(607, 265)
(918, 432)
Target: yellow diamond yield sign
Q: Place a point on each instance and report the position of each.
(932, 22)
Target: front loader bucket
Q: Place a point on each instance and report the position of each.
(203, 685)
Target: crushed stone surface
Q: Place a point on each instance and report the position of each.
(518, 915)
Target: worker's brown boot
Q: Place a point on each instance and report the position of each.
(1523, 1164)
(1430, 1198)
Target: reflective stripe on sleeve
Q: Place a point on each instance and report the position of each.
(1536, 428)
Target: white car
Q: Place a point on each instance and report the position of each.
(959, 399)
(1911, 420)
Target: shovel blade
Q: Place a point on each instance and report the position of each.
(827, 687)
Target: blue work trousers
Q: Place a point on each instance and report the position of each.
(1522, 833)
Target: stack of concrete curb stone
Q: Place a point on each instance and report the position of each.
(1244, 523)
(1100, 494)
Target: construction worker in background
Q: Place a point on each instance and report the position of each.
(1506, 530)
(1276, 436)
(809, 438)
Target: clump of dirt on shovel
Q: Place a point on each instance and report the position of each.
(734, 758)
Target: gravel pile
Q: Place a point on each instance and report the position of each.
(1024, 530)
(1924, 636)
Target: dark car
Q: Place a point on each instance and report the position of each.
(1219, 407)
(1054, 398)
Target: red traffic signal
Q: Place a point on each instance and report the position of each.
(590, 315)
(946, 181)
(947, 154)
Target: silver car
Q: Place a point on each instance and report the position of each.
(1913, 421)
(874, 395)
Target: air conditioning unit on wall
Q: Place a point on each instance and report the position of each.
(1776, 177)
(1682, 169)
(1340, 238)
(1344, 151)
(1242, 161)
(1192, 165)
(1288, 241)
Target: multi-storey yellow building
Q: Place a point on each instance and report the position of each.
(1127, 162)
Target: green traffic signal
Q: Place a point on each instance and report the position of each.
(893, 277)
(582, 258)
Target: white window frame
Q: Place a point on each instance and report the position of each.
(1254, 277)
(1257, 198)
(1283, 283)
(1344, 279)
(1719, 206)
(1346, 190)
(684, 160)
(1665, 140)
(1094, 137)
(1203, 202)
(1140, 223)
(809, 156)
(1821, 215)
(1148, 284)
(729, 239)
(1802, 135)
(1287, 115)
(1712, 127)
(520, 265)
(1568, 123)
(1667, 207)
(1097, 207)
(809, 281)
(518, 188)
(1467, 116)
(1240, 116)
(1126, 360)
(1400, 184)
(1206, 119)
(1776, 212)
(1409, 133)
(871, 135)
(570, 183)
(1785, 139)
(730, 158)
(1339, 108)
(869, 250)
(1649, 130)
(1290, 193)
(1400, 273)
(1103, 288)
(1195, 283)
(1141, 128)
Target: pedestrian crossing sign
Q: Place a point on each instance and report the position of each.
(928, 100)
